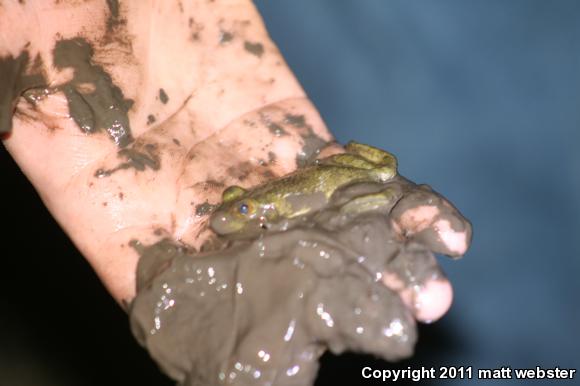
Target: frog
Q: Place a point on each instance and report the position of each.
(305, 191)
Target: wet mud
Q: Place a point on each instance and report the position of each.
(256, 49)
(260, 307)
(313, 144)
(17, 74)
(95, 103)
(139, 158)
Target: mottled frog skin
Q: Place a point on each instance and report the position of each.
(306, 190)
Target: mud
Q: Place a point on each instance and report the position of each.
(163, 96)
(113, 19)
(276, 129)
(203, 209)
(226, 37)
(295, 120)
(241, 171)
(260, 308)
(138, 158)
(310, 150)
(95, 103)
(312, 143)
(17, 74)
(256, 49)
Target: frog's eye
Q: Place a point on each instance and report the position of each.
(246, 208)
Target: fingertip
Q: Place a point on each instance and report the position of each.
(433, 300)
(456, 242)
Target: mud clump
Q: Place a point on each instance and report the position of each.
(261, 309)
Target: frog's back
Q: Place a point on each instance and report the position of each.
(361, 163)
(322, 178)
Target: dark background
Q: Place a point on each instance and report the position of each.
(480, 99)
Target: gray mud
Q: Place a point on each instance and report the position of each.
(95, 103)
(261, 309)
(256, 49)
(138, 157)
(17, 74)
(313, 144)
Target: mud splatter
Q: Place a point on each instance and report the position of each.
(312, 145)
(276, 129)
(102, 107)
(138, 158)
(295, 120)
(241, 171)
(113, 19)
(225, 37)
(116, 36)
(256, 49)
(17, 75)
(196, 29)
(163, 96)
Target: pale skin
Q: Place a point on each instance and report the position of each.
(226, 83)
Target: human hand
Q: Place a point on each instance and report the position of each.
(351, 276)
(213, 104)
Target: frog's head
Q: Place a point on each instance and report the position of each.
(236, 212)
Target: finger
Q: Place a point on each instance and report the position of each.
(427, 218)
(418, 279)
(429, 301)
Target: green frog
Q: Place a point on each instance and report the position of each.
(304, 191)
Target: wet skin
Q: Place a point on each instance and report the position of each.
(287, 197)
(209, 129)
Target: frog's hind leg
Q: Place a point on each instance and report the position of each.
(352, 161)
(375, 155)
(384, 162)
